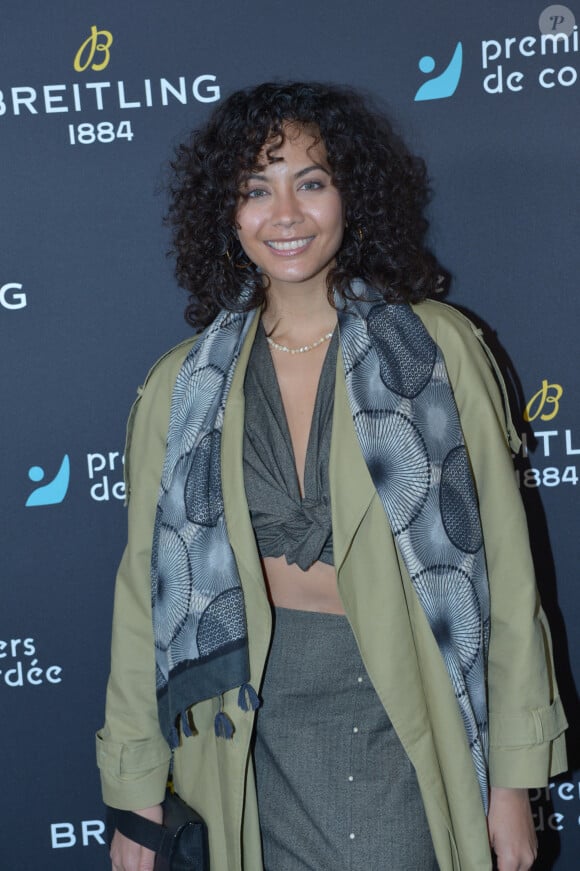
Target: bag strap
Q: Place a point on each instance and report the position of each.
(151, 835)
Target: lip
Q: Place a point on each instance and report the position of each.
(289, 247)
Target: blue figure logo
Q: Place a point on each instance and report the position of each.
(445, 83)
(53, 492)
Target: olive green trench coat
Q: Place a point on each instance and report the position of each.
(401, 656)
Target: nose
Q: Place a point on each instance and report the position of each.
(287, 211)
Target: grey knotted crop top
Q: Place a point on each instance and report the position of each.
(285, 524)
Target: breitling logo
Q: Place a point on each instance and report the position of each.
(95, 51)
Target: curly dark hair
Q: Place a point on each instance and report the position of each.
(383, 188)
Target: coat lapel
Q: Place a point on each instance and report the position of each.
(240, 532)
(351, 486)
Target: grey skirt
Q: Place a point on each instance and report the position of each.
(336, 790)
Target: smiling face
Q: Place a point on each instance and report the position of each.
(290, 219)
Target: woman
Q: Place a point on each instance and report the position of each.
(337, 527)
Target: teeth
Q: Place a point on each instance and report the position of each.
(291, 245)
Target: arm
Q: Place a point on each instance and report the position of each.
(511, 829)
(132, 754)
(525, 714)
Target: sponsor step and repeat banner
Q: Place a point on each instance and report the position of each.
(93, 98)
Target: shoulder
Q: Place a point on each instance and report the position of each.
(449, 327)
(155, 392)
(460, 340)
(149, 416)
(162, 375)
(473, 370)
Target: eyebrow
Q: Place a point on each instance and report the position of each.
(315, 166)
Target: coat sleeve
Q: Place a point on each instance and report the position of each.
(132, 754)
(526, 718)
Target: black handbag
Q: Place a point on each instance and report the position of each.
(180, 843)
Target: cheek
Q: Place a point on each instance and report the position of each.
(333, 216)
(335, 224)
(246, 232)
(243, 230)
(247, 221)
(246, 239)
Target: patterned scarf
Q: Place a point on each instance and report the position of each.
(410, 436)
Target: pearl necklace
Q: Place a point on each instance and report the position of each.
(301, 350)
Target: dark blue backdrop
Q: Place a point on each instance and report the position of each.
(93, 98)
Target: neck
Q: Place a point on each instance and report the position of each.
(298, 313)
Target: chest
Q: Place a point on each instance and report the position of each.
(298, 381)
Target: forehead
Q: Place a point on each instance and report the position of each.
(296, 143)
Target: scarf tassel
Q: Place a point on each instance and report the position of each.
(223, 726)
(173, 738)
(248, 698)
(188, 727)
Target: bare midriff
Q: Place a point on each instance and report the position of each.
(312, 590)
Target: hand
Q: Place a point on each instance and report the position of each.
(511, 829)
(126, 855)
